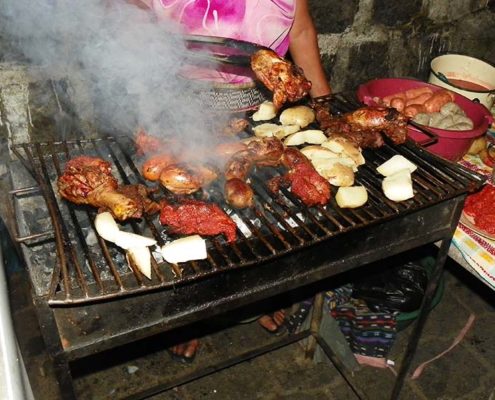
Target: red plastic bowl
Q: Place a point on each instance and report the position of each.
(451, 145)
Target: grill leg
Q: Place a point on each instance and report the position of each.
(421, 320)
(315, 325)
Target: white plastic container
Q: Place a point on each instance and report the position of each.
(467, 69)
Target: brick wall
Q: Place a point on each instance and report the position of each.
(365, 39)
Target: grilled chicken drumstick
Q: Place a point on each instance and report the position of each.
(364, 126)
(89, 180)
(265, 151)
(283, 78)
(197, 217)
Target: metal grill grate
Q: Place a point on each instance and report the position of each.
(89, 269)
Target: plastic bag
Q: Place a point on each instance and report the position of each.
(400, 288)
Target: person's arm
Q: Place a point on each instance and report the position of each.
(305, 51)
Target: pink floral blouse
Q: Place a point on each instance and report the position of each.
(265, 22)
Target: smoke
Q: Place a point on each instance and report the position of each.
(126, 60)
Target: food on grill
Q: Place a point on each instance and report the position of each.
(153, 166)
(313, 136)
(228, 149)
(337, 171)
(185, 178)
(185, 249)
(312, 152)
(140, 257)
(302, 178)
(344, 148)
(108, 229)
(283, 78)
(89, 180)
(136, 246)
(351, 196)
(140, 194)
(364, 126)
(297, 115)
(148, 144)
(266, 111)
(395, 164)
(274, 130)
(398, 186)
(235, 126)
(197, 217)
(259, 151)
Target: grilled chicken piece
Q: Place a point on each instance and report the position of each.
(283, 78)
(364, 126)
(89, 180)
(149, 144)
(387, 120)
(197, 217)
(185, 178)
(302, 178)
(262, 152)
(140, 194)
(235, 126)
(153, 166)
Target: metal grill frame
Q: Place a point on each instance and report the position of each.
(434, 181)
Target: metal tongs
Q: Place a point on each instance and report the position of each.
(219, 50)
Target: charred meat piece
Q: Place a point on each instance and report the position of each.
(197, 217)
(364, 126)
(153, 166)
(302, 178)
(283, 78)
(235, 126)
(140, 194)
(262, 152)
(89, 180)
(387, 120)
(185, 178)
(148, 144)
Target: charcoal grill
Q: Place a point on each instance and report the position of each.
(281, 245)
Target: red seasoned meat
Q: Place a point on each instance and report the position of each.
(197, 217)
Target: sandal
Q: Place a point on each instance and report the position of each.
(269, 323)
(180, 352)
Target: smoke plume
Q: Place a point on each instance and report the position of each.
(127, 60)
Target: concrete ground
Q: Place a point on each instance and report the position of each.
(467, 372)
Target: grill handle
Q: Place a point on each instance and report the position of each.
(432, 137)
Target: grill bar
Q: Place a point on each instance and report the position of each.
(88, 270)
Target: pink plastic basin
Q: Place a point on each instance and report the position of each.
(451, 145)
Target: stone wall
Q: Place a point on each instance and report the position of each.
(365, 39)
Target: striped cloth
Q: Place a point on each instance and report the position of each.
(368, 333)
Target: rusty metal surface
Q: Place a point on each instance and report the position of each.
(85, 270)
(81, 268)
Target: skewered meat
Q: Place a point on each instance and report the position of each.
(185, 178)
(364, 126)
(302, 178)
(89, 180)
(261, 151)
(283, 78)
(197, 217)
